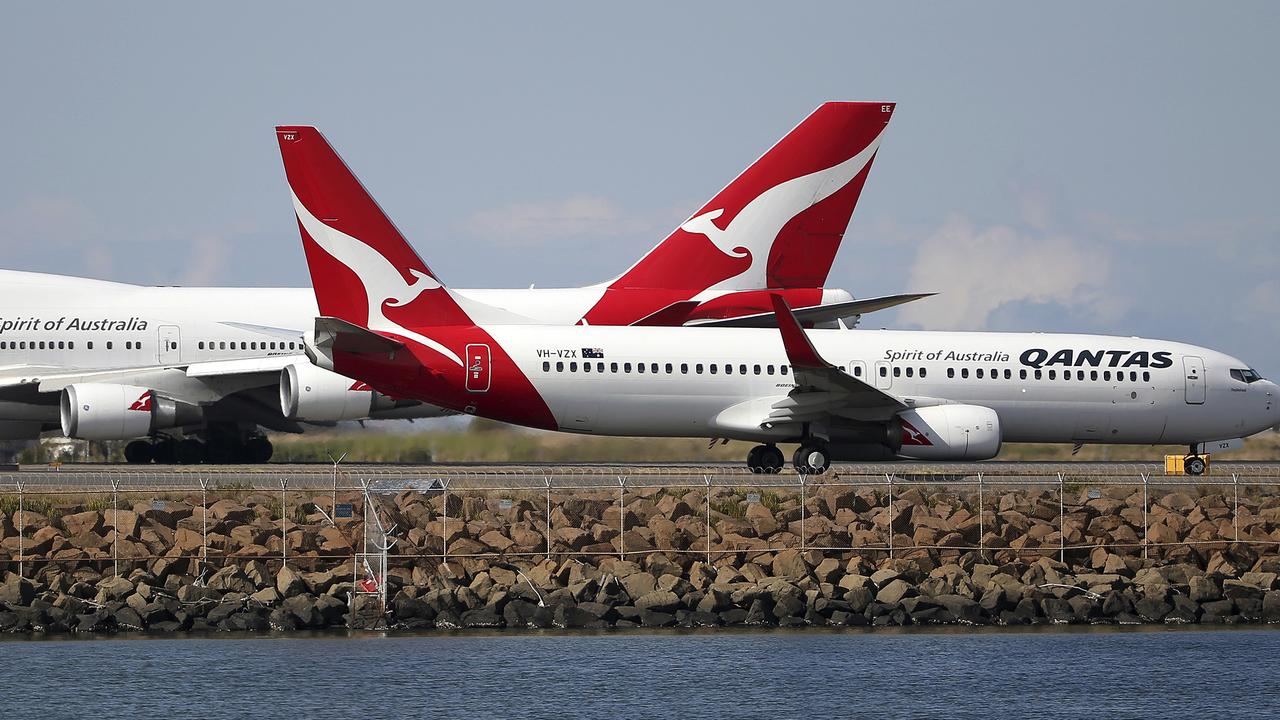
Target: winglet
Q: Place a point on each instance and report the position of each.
(800, 352)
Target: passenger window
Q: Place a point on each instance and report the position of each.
(756, 369)
(669, 369)
(61, 346)
(201, 346)
(1133, 376)
(684, 368)
(1039, 374)
(1022, 374)
(783, 370)
(897, 371)
(884, 372)
(995, 374)
(1080, 375)
(599, 367)
(911, 372)
(1146, 377)
(742, 369)
(768, 369)
(857, 370)
(1053, 374)
(653, 368)
(108, 344)
(698, 368)
(964, 372)
(626, 367)
(613, 367)
(573, 367)
(41, 344)
(1093, 375)
(728, 369)
(922, 372)
(951, 372)
(1008, 374)
(559, 367)
(639, 367)
(586, 367)
(546, 366)
(90, 344)
(978, 373)
(712, 368)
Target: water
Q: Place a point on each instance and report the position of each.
(1117, 673)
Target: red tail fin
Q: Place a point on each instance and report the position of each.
(779, 223)
(362, 269)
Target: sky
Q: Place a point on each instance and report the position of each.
(1083, 167)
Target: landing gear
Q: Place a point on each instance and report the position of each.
(811, 458)
(257, 449)
(765, 459)
(228, 449)
(1194, 465)
(137, 452)
(165, 452)
(189, 452)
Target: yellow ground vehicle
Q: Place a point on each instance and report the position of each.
(1186, 464)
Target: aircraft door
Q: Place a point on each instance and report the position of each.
(858, 370)
(1194, 371)
(479, 366)
(884, 376)
(168, 346)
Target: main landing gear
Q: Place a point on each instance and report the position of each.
(811, 458)
(765, 459)
(220, 449)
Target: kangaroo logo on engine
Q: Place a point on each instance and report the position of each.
(1040, 357)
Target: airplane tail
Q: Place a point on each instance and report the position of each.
(779, 223)
(363, 270)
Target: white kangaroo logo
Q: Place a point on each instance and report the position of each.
(753, 231)
(382, 282)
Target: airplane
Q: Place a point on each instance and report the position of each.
(870, 394)
(194, 373)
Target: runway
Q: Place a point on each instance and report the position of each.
(540, 476)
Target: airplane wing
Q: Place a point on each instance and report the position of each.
(822, 389)
(816, 314)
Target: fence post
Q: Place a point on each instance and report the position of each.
(1062, 521)
(22, 522)
(981, 528)
(444, 521)
(115, 527)
(707, 500)
(1235, 514)
(888, 477)
(622, 520)
(804, 498)
(1145, 539)
(204, 529)
(547, 480)
(284, 522)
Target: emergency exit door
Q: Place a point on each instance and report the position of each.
(1193, 368)
(167, 345)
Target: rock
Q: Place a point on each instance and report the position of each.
(1058, 611)
(303, 607)
(1152, 608)
(17, 591)
(1202, 589)
(827, 571)
(894, 591)
(231, 511)
(281, 620)
(1271, 607)
(858, 599)
(522, 614)
(81, 523)
(963, 609)
(1185, 611)
(289, 582)
(658, 601)
(1237, 589)
(654, 618)
(639, 584)
(487, 616)
(115, 587)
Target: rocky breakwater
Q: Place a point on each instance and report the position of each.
(649, 559)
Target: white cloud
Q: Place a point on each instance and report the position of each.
(576, 217)
(208, 260)
(979, 269)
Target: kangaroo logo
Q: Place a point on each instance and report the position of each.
(383, 283)
(753, 231)
(912, 436)
(143, 403)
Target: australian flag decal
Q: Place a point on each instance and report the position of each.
(595, 353)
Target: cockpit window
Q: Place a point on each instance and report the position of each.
(1246, 375)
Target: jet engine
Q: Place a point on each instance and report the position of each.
(946, 432)
(311, 394)
(103, 411)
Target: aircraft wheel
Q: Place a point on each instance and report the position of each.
(771, 460)
(811, 458)
(753, 459)
(1194, 465)
(257, 449)
(138, 451)
(165, 452)
(189, 452)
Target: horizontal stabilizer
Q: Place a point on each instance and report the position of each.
(817, 314)
(337, 334)
(670, 316)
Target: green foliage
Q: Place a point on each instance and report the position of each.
(733, 506)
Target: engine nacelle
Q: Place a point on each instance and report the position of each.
(104, 411)
(311, 394)
(946, 432)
